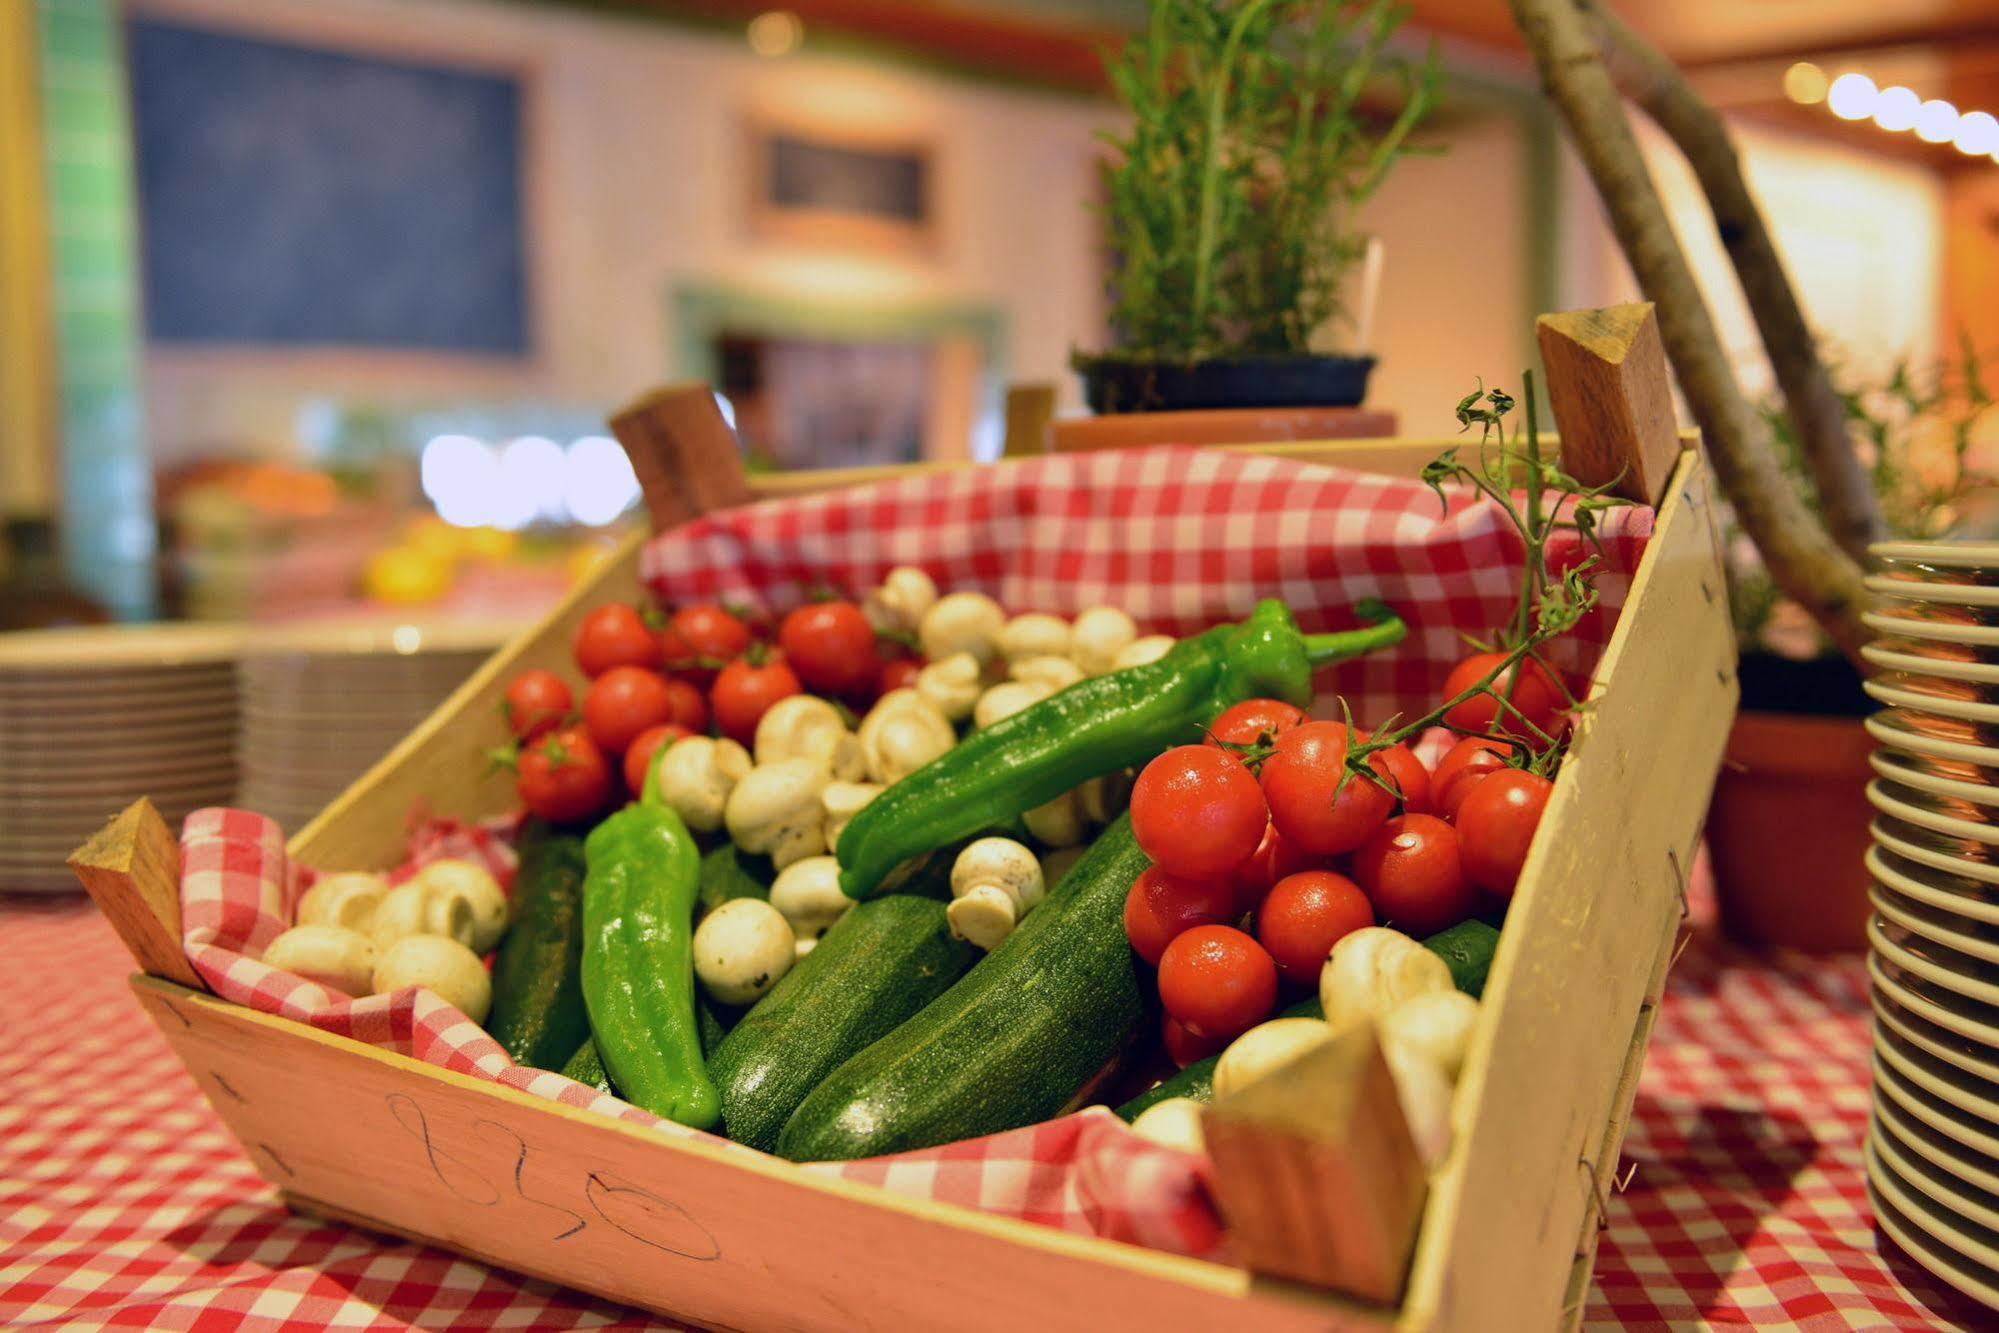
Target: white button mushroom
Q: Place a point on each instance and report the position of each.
(962, 622)
(807, 894)
(438, 964)
(842, 801)
(994, 883)
(1141, 651)
(331, 955)
(1057, 823)
(1059, 862)
(1103, 799)
(348, 899)
(475, 884)
(1057, 673)
(775, 810)
(1436, 1025)
(1098, 636)
(742, 949)
(696, 775)
(951, 686)
(982, 917)
(901, 734)
(1425, 1095)
(897, 606)
(414, 907)
(1374, 969)
(1265, 1047)
(1173, 1123)
(1035, 634)
(1005, 699)
(805, 726)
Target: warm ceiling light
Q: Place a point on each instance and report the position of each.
(1977, 134)
(1936, 122)
(1896, 108)
(776, 32)
(1805, 83)
(1851, 97)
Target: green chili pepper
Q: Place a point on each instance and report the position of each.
(638, 962)
(1092, 728)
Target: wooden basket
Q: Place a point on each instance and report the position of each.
(1501, 1237)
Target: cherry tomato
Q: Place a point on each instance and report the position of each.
(1496, 824)
(1251, 720)
(1412, 872)
(897, 673)
(1304, 916)
(1217, 981)
(1459, 770)
(639, 755)
(1273, 859)
(536, 702)
(623, 702)
(745, 689)
(698, 639)
(1183, 1045)
(1299, 781)
(614, 636)
(563, 777)
(690, 706)
(1160, 906)
(1526, 685)
(1407, 775)
(830, 645)
(1197, 812)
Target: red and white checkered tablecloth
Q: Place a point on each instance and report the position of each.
(124, 1203)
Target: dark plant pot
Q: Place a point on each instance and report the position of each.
(1787, 826)
(1113, 384)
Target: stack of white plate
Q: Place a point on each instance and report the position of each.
(93, 718)
(1933, 1149)
(322, 703)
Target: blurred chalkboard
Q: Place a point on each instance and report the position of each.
(292, 196)
(890, 184)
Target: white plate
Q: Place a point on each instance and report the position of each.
(1976, 1097)
(1898, 767)
(1982, 636)
(1976, 556)
(1881, 799)
(1977, 1058)
(1915, 742)
(1933, 963)
(87, 646)
(1923, 590)
(1931, 857)
(1958, 1251)
(1954, 1124)
(1947, 1154)
(1979, 673)
(1947, 929)
(1941, 705)
(1918, 1173)
(1962, 896)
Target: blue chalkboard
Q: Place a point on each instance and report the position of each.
(296, 196)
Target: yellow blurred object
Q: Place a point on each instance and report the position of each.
(434, 537)
(487, 543)
(585, 559)
(406, 576)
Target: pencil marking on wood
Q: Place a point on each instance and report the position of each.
(410, 1117)
(282, 1164)
(226, 1087)
(179, 1017)
(520, 1188)
(649, 1219)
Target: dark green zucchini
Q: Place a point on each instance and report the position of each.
(538, 1015)
(587, 1068)
(1011, 1043)
(878, 966)
(727, 873)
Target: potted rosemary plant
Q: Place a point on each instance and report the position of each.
(1230, 201)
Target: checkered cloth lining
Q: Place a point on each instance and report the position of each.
(125, 1202)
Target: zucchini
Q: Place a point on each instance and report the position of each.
(587, 1068)
(538, 1015)
(1008, 1045)
(728, 873)
(1466, 948)
(879, 964)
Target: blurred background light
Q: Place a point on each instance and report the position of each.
(598, 483)
(1977, 133)
(1805, 83)
(1896, 108)
(775, 33)
(1936, 121)
(1852, 97)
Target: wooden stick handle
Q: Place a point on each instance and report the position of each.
(1612, 392)
(132, 871)
(683, 453)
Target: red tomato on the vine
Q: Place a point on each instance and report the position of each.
(1304, 916)
(613, 636)
(1496, 826)
(690, 706)
(1273, 859)
(1159, 906)
(1407, 775)
(1526, 685)
(830, 645)
(1217, 981)
(639, 756)
(1197, 812)
(1412, 873)
(1250, 721)
(897, 673)
(1299, 781)
(1183, 1045)
(536, 702)
(699, 639)
(563, 777)
(745, 689)
(1461, 768)
(623, 702)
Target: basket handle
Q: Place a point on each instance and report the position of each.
(131, 869)
(683, 453)
(1612, 392)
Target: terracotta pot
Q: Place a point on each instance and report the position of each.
(1247, 425)
(1787, 830)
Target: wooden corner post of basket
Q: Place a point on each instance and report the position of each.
(683, 454)
(131, 869)
(1612, 392)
